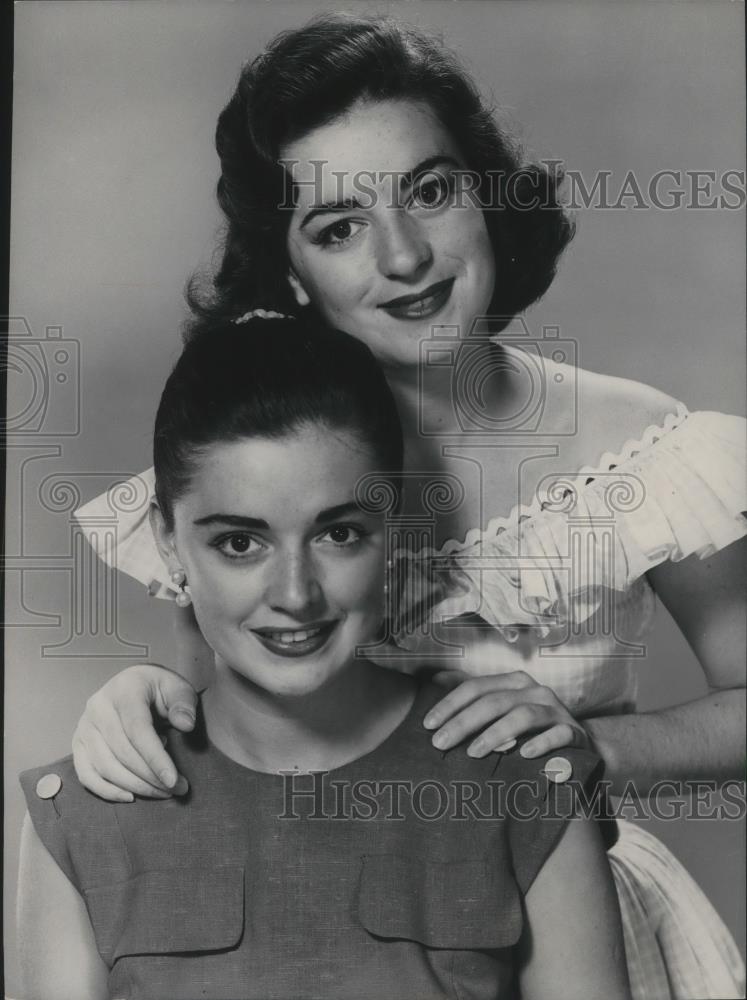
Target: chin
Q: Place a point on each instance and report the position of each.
(288, 678)
(296, 687)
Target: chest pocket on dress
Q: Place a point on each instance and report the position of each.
(453, 905)
(173, 910)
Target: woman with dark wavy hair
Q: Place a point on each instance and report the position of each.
(364, 180)
(307, 79)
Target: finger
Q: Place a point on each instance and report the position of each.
(475, 717)
(138, 727)
(448, 678)
(98, 785)
(504, 733)
(112, 771)
(182, 718)
(561, 735)
(108, 726)
(472, 689)
(176, 700)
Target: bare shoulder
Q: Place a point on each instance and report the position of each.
(612, 411)
(588, 413)
(621, 402)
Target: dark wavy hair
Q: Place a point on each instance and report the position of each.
(268, 378)
(308, 77)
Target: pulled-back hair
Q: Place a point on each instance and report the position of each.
(268, 378)
(308, 77)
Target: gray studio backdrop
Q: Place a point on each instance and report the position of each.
(113, 207)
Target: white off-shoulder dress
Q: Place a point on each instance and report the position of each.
(562, 585)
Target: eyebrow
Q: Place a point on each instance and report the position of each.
(348, 204)
(258, 524)
(340, 510)
(234, 520)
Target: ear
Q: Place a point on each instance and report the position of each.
(163, 537)
(297, 288)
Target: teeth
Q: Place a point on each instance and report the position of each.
(288, 638)
(420, 307)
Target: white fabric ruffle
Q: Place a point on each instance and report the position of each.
(134, 551)
(679, 490)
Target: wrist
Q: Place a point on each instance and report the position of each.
(595, 734)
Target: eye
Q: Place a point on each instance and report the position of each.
(431, 190)
(341, 535)
(238, 544)
(339, 232)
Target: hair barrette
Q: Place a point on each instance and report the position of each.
(260, 314)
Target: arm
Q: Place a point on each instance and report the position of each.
(572, 946)
(704, 738)
(58, 955)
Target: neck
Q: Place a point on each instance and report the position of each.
(425, 394)
(346, 718)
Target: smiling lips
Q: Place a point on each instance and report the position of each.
(295, 642)
(422, 304)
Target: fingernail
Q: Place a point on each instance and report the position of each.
(181, 787)
(528, 750)
(127, 797)
(508, 745)
(476, 749)
(168, 777)
(184, 716)
(440, 740)
(430, 721)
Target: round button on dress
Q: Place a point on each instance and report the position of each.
(558, 769)
(48, 786)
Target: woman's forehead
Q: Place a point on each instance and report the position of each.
(309, 470)
(373, 143)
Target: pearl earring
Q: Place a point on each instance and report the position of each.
(179, 579)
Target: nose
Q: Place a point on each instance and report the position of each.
(295, 588)
(404, 250)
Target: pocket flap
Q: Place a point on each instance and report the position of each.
(169, 910)
(455, 904)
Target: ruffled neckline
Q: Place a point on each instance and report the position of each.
(520, 512)
(676, 490)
